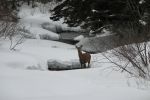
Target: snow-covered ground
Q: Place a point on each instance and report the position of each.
(89, 84)
(24, 74)
(19, 82)
(36, 52)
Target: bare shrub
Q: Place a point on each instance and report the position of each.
(133, 58)
(17, 42)
(8, 29)
(15, 36)
(11, 31)
(133, 55)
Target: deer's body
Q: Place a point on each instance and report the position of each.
(83, 58)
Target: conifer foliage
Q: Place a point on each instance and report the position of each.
(93, 14)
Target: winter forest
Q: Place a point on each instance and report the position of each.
(74, 49)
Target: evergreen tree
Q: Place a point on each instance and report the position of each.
(93, 14)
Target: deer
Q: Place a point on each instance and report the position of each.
(83, 57)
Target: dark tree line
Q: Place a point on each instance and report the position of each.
(94, 14)
(13, 4)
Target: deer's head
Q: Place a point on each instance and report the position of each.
(79, 47)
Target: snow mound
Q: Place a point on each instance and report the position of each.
(52, 27)
(40, 33)
(37, 25)
(32, 24)
(63, 65)
(78, 38)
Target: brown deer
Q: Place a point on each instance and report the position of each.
(83, 57)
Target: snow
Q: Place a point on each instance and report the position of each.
(104, 33)
(21, 82)
(32, 20)
(33, 25)
(24, 74)
(78, 38)
(141, 1)
(40, 50)
(143, 22)
(87, 84)
(95, 11)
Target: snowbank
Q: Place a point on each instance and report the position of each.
(63, 65)
(85, 84)
(32, 24)
(34, 53)
(99, 44)
(37, 24)
(78, 38)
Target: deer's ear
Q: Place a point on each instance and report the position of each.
(76, 46)
(81, 46)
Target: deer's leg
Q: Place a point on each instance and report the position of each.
(81, 65)
(84, 65)
(88, 65)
